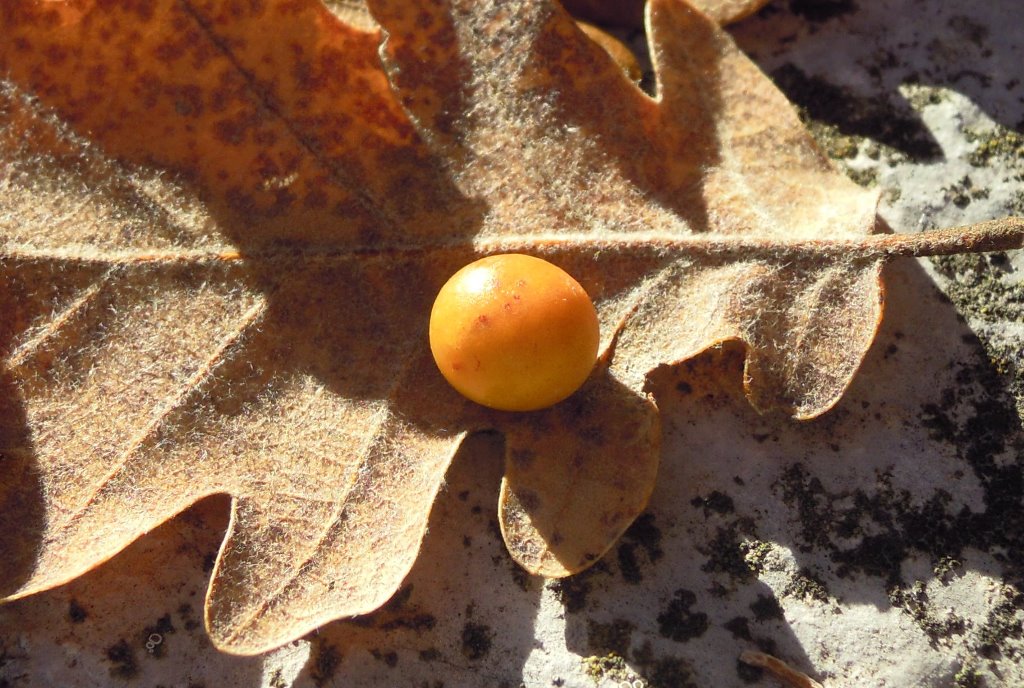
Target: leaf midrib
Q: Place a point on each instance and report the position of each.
(995, 235)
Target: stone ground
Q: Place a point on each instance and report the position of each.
(880, 545)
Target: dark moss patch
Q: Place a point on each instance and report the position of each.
(76, 612)
(520, 577)
(670, 672)
(717, 502)
(187, 616)
(430, 654)
(821, 10)
(641, 538)
(572, 592)
(766, 607)
(325, 663)
(417, 622)
(748, 673)
(122, 660)
(726, 553)
(162, 628)
(629, 567)
(822, 102)
(677, 622)
(476, 640)
(969, 29)
(388, 657)
(398, 600)
(645, 533)
(615, 636)
(739, 627)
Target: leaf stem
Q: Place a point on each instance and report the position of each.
(779, 669)
(995, 235)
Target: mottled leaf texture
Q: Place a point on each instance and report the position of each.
(222, 232)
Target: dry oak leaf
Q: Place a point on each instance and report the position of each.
(220, 242)
(222, 233)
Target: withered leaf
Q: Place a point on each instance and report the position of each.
(222, 233)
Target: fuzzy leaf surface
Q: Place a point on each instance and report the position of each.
(222, 232)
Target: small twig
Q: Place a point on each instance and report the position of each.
(779, 669)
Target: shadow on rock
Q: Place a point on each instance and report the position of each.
(465, 613)
(763, 531)
(876, 59)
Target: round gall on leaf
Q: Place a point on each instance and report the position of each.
(514, 332)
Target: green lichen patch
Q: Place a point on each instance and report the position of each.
(756, 555)
(610, 667)
(947, 568)
(862, 176)
(964, 191)
(734, 552)
(996, 145)
(921, 96)
(967, 677)
(807, 586)
(1004, 623)
(872, 532)
(833, 113)
(979, 288)
(939, 626)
